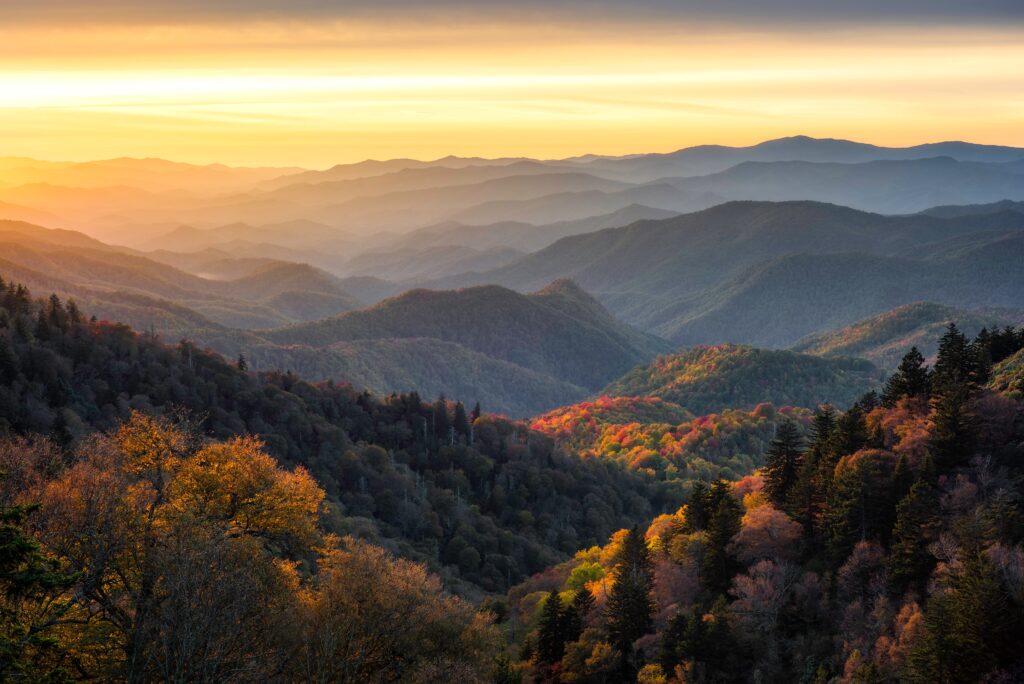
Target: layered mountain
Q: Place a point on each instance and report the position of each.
(709, 379)
(560, 331)
(769, 273)
(882, 186)
(707, 159)
(525, 236)
(125, 285)
(885, 338)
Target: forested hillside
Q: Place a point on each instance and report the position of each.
(769, 273)
(707, 379)
(559, 332)
(481, 499)
(883, 339)
(884, 544)
(661, 439)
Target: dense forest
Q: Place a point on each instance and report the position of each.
(705, 379)
(388, 538)
(481, 499)
(883, 545)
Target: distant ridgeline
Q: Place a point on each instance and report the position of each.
(481, 499)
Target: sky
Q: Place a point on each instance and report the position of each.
(320, 82)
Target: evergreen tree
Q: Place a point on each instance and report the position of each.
(917, 524)
(28, 652)
(461, 421)
(952, 437)
(476, 411)
(860, 505)
(850, 434)
(630, 608)
(242, 364)
(576, 614)
(550, 630)
(782, 464)
(723, 524)
(911, 379)
(697, 508)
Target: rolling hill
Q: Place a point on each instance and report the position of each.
(709, 379)
(885, 338)
(559, 331)
(768, 273)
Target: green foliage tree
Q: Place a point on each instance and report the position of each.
(724, 522)
(917, 523)
(782, 465)
(30, 649)
(629, 609)
(911, 379)
(551, 631)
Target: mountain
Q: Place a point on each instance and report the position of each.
(885, 338)
(430, 367)
(392, 471)
(374, 167)
(122, 284)
(560, 331)
(1008, 376)
(708, 379)
(708, 159)
(721, 274)
(651, 435)
(958, 210)
(426, 263)
(526, 236)
(559, 206)
(893, 187)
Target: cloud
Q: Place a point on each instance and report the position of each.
(584, 11)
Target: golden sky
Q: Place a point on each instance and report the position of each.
(318, 90)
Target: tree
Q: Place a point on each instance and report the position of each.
(697, 508)
(31, 606)
(550, 630)
(576, 613)
(782, 464)
(953, 434)
(723, 524)
(911, 379)
(630, 608)
(461, 421)
(242, 364)
(917, 522)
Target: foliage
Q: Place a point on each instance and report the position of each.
(484, 506)
(707, 379)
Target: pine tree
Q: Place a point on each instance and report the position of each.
(550, 631)
(850, 434)
(953, 433)
(576, 614)
(630, 608)
(782, 465)
(476, 411)
(461, 421)
(27, 652)
(697, 508)
(242, 364)
(723, 524)
(917, 523)
(911, 379)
